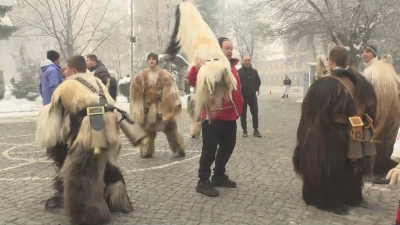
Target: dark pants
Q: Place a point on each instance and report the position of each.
(252, 102)
(222, 133)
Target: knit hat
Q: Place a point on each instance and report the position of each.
(154, 56)
(52, 55)
(372, 48)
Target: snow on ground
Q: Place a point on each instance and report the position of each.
(10, 107)
(13, 107)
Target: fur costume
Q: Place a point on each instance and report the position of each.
(322, 66)
(324, 155)
(384, 79)
(89, 185)
(156, 111)
(215, 80)
(195, 125)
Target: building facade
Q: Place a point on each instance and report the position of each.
(272, 70)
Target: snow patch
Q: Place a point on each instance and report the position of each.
(10, 104)
(124, 80)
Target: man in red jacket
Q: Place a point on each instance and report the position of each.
(221, 132)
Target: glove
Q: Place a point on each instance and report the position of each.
(394, 176)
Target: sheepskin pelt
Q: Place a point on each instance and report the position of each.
(195, 38)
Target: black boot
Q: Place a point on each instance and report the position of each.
(223, 181)
(283, 96)
(245, 133)
(287, 96)
(205, 187)
(257, 133)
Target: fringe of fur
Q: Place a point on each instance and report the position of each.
(387, 59)
(386, 84)
(136, 103)
(322, 66)
(117, 197)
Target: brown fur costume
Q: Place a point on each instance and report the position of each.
(88, 187)
(331, 180)
(384, 79)
(160, 115)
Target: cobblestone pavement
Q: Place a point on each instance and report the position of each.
(163, 188)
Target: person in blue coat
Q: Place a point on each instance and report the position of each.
(50, 77)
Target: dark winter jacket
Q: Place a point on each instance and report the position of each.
(250, 81)
(287, 82)
(100, 72)
(50, 78)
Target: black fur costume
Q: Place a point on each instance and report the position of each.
(331, 181)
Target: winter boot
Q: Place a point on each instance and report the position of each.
(245, 133)
(205, 187)
(223, 181)
(257, 133)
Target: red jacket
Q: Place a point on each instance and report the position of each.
(229, 113)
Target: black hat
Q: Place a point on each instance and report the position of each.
(153, 55)
(372, 48)
(52, 55)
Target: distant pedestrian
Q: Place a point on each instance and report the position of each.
(50, 77)
(287, 82)
(250, 85)
(99, 70)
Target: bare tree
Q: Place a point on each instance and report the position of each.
(248, 27)
(156, 21)
(78, 26)
(351, 23)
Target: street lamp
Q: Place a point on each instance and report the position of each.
(132, 38)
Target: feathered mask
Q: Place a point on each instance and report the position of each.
(196, 39)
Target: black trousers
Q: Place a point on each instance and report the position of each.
(252, 102)
(222, 133)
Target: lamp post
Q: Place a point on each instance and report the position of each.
(132, 38)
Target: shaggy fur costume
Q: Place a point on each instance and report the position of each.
(322, 66)
(331, 181)
(88, 187)
(215, 80)
(386, 84)
(195, 125)
(159, 116)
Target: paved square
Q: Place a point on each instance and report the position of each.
(163, 188)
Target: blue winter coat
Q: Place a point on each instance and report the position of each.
(50, 78)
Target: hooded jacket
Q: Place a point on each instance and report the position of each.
(50, 78)
(100, 72)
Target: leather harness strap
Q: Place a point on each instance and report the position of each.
(103, 99)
